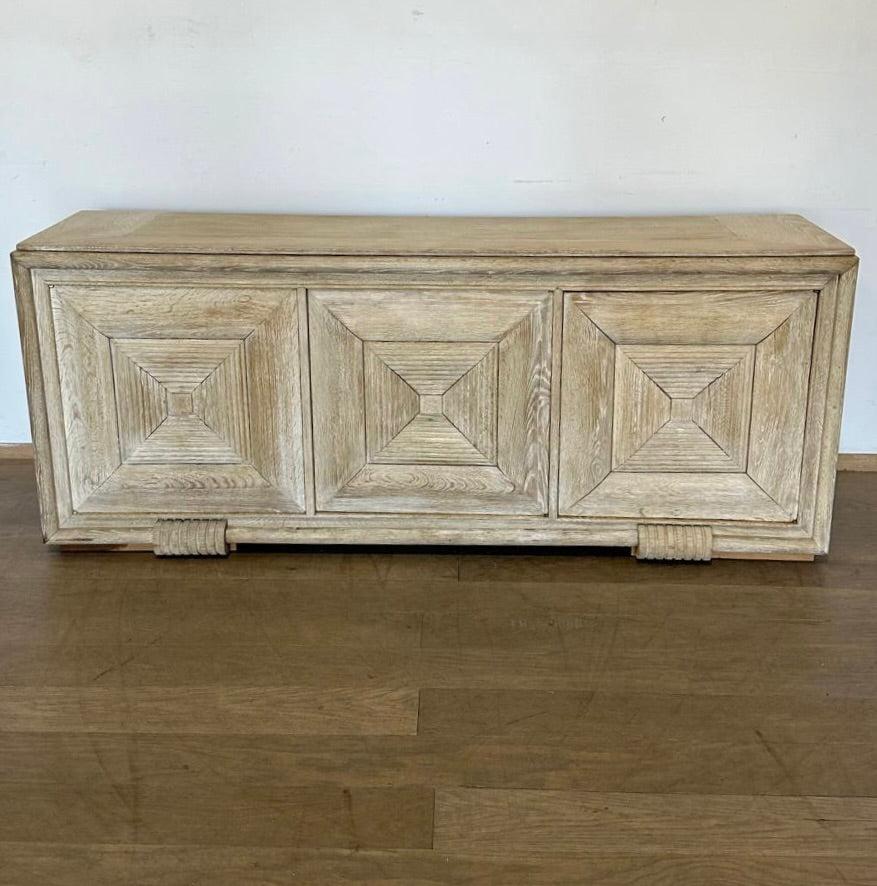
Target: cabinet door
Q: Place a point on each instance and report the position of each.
(167, 398)
(430, 401)
(684, 405)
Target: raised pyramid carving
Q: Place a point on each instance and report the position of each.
(682, 408)
(431, 402)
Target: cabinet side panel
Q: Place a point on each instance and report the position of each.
(36, 397)
(846, 288)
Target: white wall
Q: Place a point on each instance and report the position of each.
(444, 106)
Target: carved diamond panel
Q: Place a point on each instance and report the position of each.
(192, 394)
(430, 401)
(684, 405)
(198, 393)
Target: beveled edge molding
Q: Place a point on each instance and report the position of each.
(669, 541)
(189, 538)
(846, 461)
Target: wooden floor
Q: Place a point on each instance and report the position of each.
(436, 716)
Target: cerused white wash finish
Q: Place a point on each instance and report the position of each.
(669, 384)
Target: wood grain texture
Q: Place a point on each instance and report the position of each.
(106, 865)
(857, 461)
(642, 408)
(723, 410)
(298, 816)
(423, 315)
(663, 541)
(337, 388)
(600, 273)
(470, 404)
(779, 405)
(585, 406)
(826, 397)
(230, 710)
(298, 716)
(16, 451)
(170, 401)
(692, 496)
(183, 538)
(524, 381)
(682, 407)
(437, 235)
(702, 318)
(697, 396)
(151, 309)
(452, 411)
(558, 823)
(452, 320)
(395, 404)
(85, 373)
(275, 412)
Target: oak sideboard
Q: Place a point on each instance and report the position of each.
(672, 385)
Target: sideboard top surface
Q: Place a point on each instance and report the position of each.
(266, 234)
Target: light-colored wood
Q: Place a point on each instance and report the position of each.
(554, 429)
(431, 402)
(175, 397)
(524, 385)
(149, 310)
(585, 406)
(822, 482)
(779, 406)
(681, 496)
(530, 381)
(729, 415)
(642, 409)
(690, 318)
(85, 373)
(387, 235)
(666, 541)
(706, 272)
(190, 538)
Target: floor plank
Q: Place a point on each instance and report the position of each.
(659, 759)
(107, 865)
(220, 814)
(576, 823)
(834, 669)
(288, 709)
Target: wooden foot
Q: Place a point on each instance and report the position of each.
(671, 541)
(190, 538)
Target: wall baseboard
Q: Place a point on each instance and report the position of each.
(16, 450)
(846, 461)
(857, 461)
